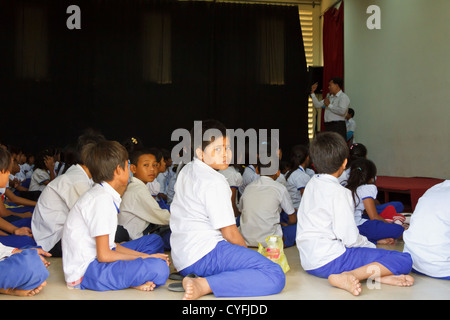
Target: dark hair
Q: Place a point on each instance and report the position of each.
(102, 159)
(5, 160)
(88, 136)
(40, 157)
(328, 151)
(338, 81)
(132, 143)
(134, 157)
(298, 155)
(357, 151)
(351, 112)
(206, 125)
(361, 171)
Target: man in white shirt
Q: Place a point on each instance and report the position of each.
(336, 105)
(428, 237)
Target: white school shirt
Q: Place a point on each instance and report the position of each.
(39, 176)
(154, 187)
(363, 192)
(234, 178)
(428, 236)
(297, 181)
(54, 205)
(94, 214)
(326, 224)
(5, 251)
(337, 109)
(261, 205)
(138, 209)
(350, 124)
(200, 208)
(248, 176)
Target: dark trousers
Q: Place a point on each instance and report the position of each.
(337, 126)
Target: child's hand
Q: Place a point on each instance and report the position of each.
(49, 163)
(160, 256)
(24, 231)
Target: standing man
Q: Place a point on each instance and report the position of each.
(335, 104)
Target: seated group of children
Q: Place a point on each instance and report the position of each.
(100, 215)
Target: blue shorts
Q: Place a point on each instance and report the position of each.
(354, 258)
(24, 270)
(236, 271)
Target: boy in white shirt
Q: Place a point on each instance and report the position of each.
(428, 236)
(91, 259)
(261, 205)
(205, 240)
(138, 209)
(328, 240)
(60, 196)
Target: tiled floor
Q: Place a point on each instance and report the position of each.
(299, 286)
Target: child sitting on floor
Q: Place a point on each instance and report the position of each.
(91, 259)
(261, 205)
(22, 272)
(139, 211)
(205, 240)
(364, 192)
(60, 196)
(328, 240)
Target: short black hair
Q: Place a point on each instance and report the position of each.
(206, 125)
(338, 81)
(328, 152)
(102, 159)
(351, 112)
(134, 157)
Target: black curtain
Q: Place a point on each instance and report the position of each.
(94, 75)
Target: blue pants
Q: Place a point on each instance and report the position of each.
(24, 270)
(125, 274)
(235, 271)
(353, 258)
(376, 230)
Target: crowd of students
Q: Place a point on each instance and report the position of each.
(114, 210)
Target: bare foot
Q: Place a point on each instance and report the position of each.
(148, 286)
(24, 293)
(403, 280)
(386, 241)
(195, 288)
(346, 281)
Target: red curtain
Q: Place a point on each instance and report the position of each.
(333, 47)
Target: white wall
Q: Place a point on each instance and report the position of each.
(398, 80)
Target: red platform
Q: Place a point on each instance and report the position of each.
(414, 186)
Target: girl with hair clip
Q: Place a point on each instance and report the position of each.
(380, 228)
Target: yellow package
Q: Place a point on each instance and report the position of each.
(275, 251)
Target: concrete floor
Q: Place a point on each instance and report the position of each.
(299, 286)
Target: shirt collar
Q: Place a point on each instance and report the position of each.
(115, 195)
